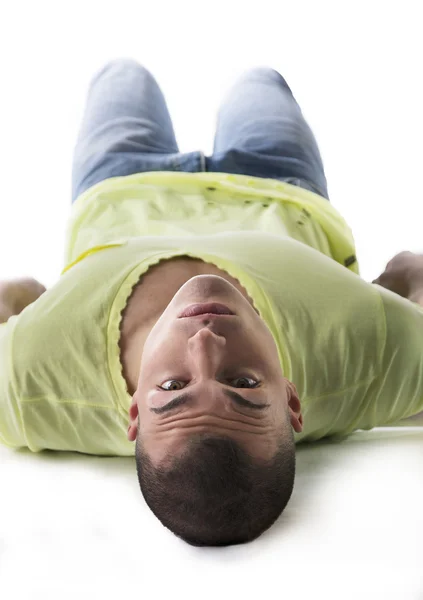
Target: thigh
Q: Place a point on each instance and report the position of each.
(126, 128)
(262, 132)
(256, 165)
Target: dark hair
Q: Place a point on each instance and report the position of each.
(215, 493)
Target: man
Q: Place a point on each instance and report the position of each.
(213, 304)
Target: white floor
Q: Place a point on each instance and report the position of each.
(75, 526)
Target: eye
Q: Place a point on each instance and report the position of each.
(173, 383)
(255, 383)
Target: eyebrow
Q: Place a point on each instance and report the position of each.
(187, 397)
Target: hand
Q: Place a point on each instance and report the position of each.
(403, 274)
(18, 293)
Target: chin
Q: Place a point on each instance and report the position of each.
(214, 288)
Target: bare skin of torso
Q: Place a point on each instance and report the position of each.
(153, 293)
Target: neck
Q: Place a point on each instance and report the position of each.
(132, 346)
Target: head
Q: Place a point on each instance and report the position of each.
(216, 469)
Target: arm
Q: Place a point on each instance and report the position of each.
(7, 308)
(5, 312)
(416, 292)
(17, 294)
(404, 276)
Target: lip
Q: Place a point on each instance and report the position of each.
(209, 309)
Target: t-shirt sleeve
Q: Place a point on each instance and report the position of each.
(398, 389)
(11, 424)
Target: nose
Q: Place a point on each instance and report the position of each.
(206, 350)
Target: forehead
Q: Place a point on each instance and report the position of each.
(163, 449)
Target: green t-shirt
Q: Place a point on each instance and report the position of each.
(352, 349)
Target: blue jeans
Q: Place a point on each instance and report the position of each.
(126, 128)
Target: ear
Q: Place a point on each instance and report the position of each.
(133, 416)
(294, 406)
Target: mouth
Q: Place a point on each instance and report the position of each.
(211, 309)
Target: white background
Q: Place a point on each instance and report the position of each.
(77, 528)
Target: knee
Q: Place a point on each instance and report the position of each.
(121, 60)
(262, 72)
(265, 74)
(121, 64)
